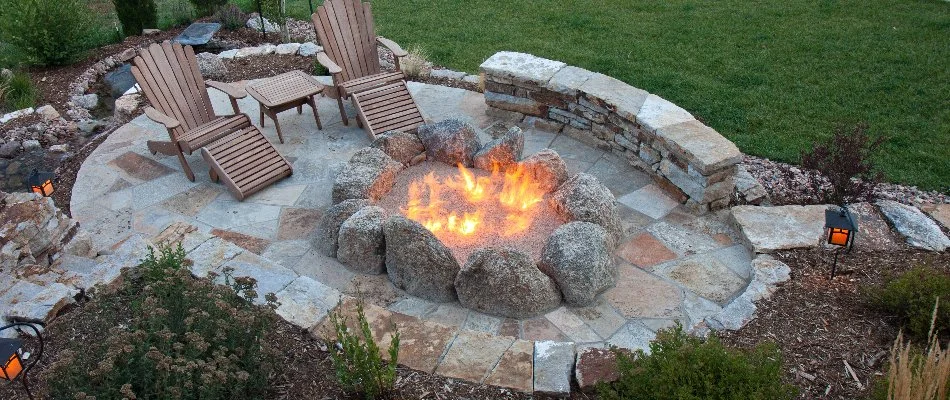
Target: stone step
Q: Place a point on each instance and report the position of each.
(768, 229)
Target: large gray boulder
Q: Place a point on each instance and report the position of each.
(504, 282)
(400, 146)
(211, 65)
(502, 152)
(576, 257)
(920, 231)
(418, 262)
(328, 230)
(584, 198)
(362, 246)
(450, 141)
(369, 174)
(547, 169)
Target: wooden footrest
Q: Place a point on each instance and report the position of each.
(388, 108)
(245, 161)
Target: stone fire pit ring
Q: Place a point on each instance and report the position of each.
(575, 264)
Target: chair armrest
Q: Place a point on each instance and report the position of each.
(327, 63)
(392, 46)
(158, 116)
(229, 90)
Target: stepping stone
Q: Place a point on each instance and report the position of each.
(198, 33)
(515, 369)
(553, 367)
(919, 230)
(473, 355)
(707, 276)
(767, 229)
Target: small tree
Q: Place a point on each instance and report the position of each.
(357, 360)
(842, 170)
(47, 32)
(136, 15)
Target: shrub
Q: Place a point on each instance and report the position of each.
(231, 17)
(416, 63)
(48, 32)
(16, 91)
(207, 7)
(173, 13)
(913, 374)
(186, 338)
(136, 15)
(682, 366)
(842, 170)
(357, 361)
(911, 296)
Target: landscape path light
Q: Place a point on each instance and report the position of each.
(40, 183)
(841, 229)
(12, 366)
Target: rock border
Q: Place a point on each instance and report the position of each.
(681, 153)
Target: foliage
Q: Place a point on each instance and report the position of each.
(173, 13)
(186, 338)
(416, 63)
(357, 361)
(842, 170)
(136, 15)
(16, 91)
(48, 32)
(207, 7)
(916, 375)
(231, 17)
(684, 367)
(911, 296)
(275, 11)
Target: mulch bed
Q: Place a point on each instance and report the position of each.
(819, 324)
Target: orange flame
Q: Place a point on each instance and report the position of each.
(512, 192)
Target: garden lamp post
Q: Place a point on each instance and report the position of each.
(40, 183)
(841, 229)
(12, 366)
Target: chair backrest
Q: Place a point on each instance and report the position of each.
(169, 76)
(348, 36)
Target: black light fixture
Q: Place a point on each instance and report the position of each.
(12, 366)
(40, 183)
(841, 229)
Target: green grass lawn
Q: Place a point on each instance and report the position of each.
(773, 76)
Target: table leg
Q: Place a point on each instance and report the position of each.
(313, 104)
(273, 116)
(262, 115)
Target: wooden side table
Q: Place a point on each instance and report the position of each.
(283, 92)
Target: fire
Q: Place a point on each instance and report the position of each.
(512, 192)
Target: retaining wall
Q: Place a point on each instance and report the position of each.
(684, 156)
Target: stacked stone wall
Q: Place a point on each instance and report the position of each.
(684, 156)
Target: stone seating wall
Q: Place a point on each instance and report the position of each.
(683, 155)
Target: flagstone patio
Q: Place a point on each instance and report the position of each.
(673, 265)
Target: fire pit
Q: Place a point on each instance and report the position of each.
(447, 218)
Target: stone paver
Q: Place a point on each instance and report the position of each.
(706, 276)
(650, 200)
(919, 230)
(473, 355)
(515, 369)
(572, 326)
(594, 366)
(553, 364)
(306, 302)
(639, 294)
(767, 229)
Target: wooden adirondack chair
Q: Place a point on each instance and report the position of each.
(346, 31)
(169, 76)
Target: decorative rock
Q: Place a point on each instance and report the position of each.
(9, 149)
(287, 49)
(362, 246)
(447, 74)
(418, 262)
(88, 101)
(733, 316)
(553, 364)
(127, 105)
(309, 49)
(767, 229)
(749, 188)
(939, 212)
(119, 80)
(31, 144)
(501, 152)
(369, 174)
(328, 230)
(595, 366)
(32, 228)
(268, 49)
(504, 282)
(450, 141)
(228, 54)
(254, 22)
(547, 169)
(48, 112)
(767, 274)
(249, 51)
(874, 233)
(59, 148)
(584, 198)
(919, 230)
(16, 114)
(577, 258)
(151, 31)
(401, 146)
(522, 67)
(88, 126)
(211, 66)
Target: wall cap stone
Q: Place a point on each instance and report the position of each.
(703, 147)
(521, 66)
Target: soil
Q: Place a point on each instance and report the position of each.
(819, 323)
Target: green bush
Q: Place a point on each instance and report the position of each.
(16, 92)
(136, 15)
(684, 367)
(207, 7)
(172, 13)
(357, 361)
(185, 338)
(231, 17)
(911, 297)
(48, 32)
